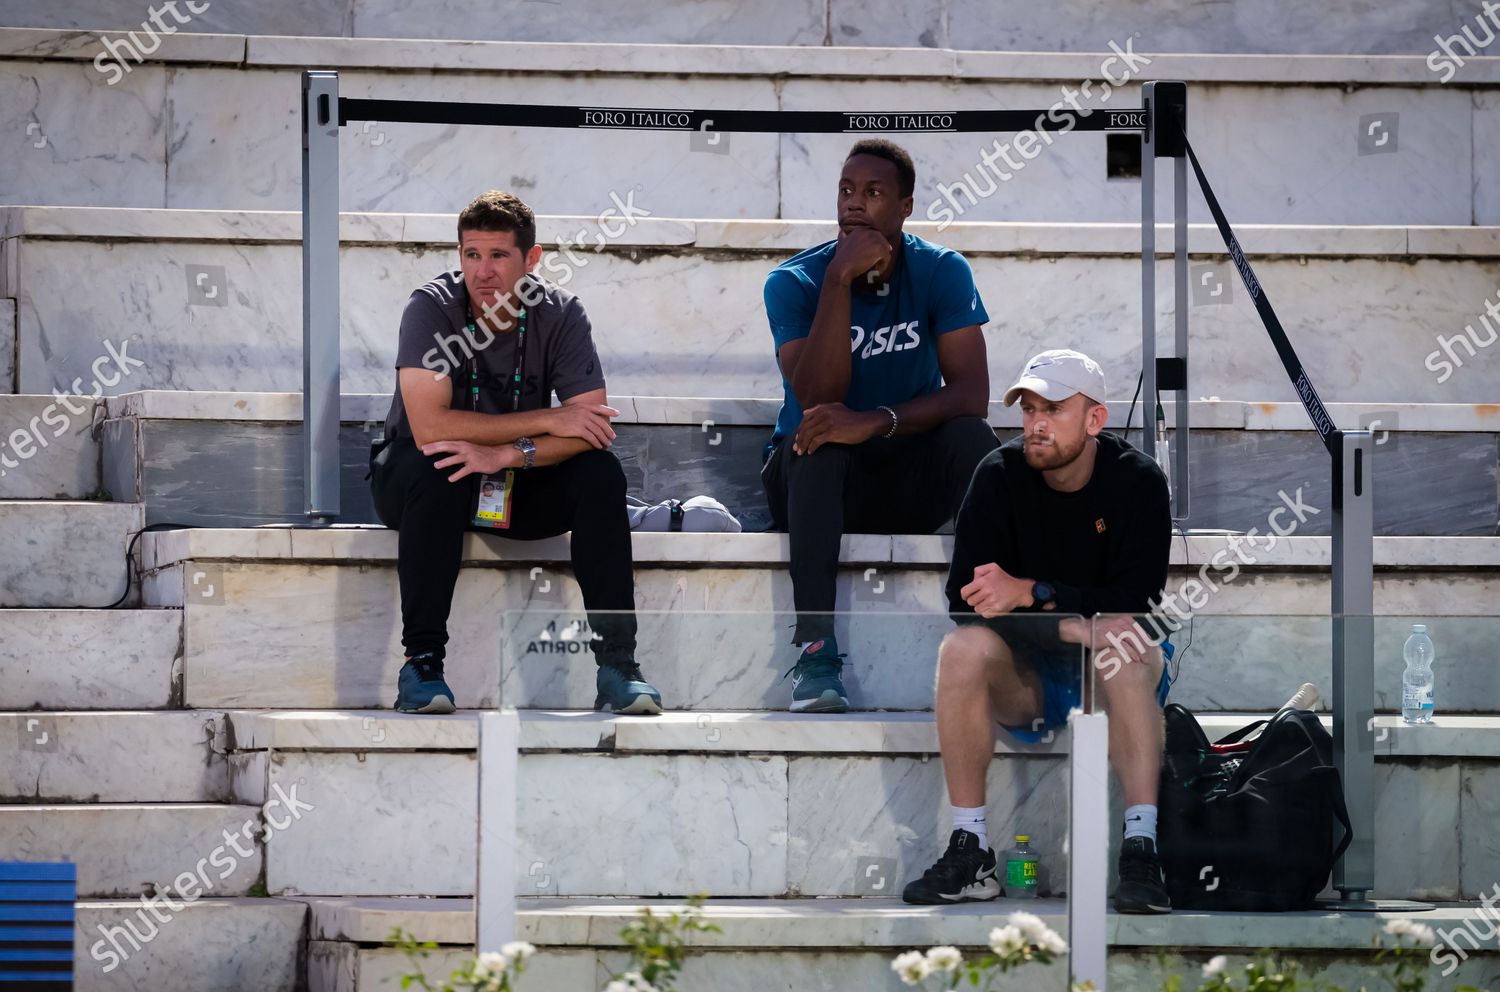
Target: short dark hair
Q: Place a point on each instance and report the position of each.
(499, 211)
(893, 153)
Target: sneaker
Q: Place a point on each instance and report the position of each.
(624, 689)
(420, 687)
(817, 686)
(1142, 887)
(963, 874)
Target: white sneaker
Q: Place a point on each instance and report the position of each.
(1305, 698)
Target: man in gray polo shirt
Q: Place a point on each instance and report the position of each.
(473, 443)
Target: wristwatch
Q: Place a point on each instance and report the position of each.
(1042, 593)
(527, 448)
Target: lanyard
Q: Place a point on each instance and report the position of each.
(515, 398)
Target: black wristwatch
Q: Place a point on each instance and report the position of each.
(1042, 593)
(527, 448)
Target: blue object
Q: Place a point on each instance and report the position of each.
(420, 687)
(1062, 690)
(817, 679)
(40, 954)
(892, 335)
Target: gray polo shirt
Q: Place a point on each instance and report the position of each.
(560, 354)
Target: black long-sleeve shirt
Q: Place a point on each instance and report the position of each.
(1104, 548)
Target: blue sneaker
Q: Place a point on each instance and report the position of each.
(625, 690)
(817, 685)
(420, 687)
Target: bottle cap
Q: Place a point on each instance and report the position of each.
(1419, 628)
(1022, 838)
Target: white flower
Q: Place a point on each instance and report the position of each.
(1008, 940)
(1398, 928)
(1423, 934)
(1031, 926)
(1053, 944)
(518, 950)
(944, 958)
(490, 964)
(1215, 966)
(912, 967)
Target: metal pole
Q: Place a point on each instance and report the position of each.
(495, 892)
(1088, 844)
(1354, 656)
(1148, 273)
(1182, 502)
(320, 294)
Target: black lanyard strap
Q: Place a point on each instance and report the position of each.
(515, 398)
(1311, 402)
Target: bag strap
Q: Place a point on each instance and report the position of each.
(1242, 733)
(1341, 813)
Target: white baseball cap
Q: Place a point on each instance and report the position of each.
(1058, 374)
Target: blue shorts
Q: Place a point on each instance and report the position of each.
(1062, 690)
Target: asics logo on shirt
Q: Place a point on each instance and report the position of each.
(897, 337)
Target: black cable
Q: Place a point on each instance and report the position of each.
(130, 548)
(1130, 411)
(1177, 658)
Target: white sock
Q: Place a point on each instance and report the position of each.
(1140, 821)
(972, 820)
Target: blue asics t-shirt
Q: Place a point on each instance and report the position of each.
(892, 338)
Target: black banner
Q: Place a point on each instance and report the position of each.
(730, 121)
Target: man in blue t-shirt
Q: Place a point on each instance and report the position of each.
(886, 392)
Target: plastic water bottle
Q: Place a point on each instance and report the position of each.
(1417, 680)
(1020, 869)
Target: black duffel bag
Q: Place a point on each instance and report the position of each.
(1250, 825)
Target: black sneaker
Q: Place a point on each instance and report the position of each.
(1142, 887)
(963, 874)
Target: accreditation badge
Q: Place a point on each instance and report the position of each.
(493, 509)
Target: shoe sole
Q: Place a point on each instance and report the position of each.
(829, 702)
(643, 705)
(438, 705)
(978, 892)
(1140, 906)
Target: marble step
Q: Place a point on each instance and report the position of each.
(227, 945)
(131, 849)
(658, 36)
(230, 139)
(56, 458)
(830, 945)
(765, 805)
(211, 299)
(115, 757)
(64, 554)
(231, 459)
(90, 659)
(283, 617)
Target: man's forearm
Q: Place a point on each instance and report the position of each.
(484, 428)
(823, 369)
(930, 411)
(556, 450)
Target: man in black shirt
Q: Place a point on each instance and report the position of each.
(1063, 519)
(474, 443)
